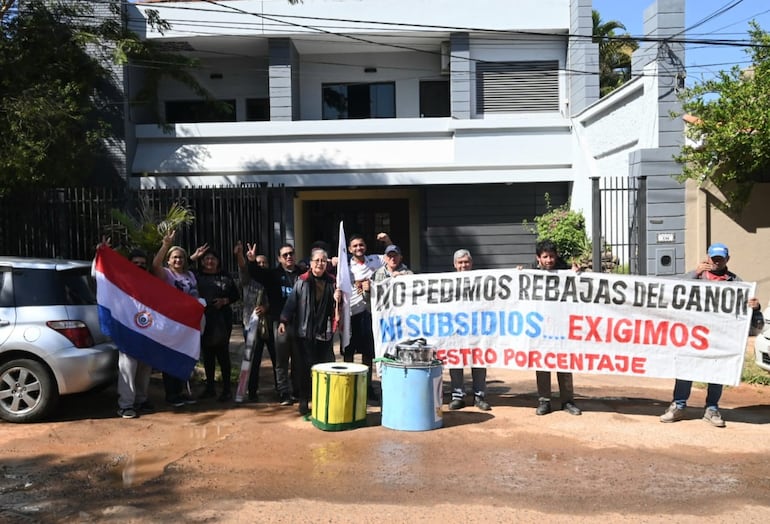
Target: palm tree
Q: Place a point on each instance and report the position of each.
(614, 53)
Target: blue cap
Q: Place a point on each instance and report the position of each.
(718, 250)
(392, 249)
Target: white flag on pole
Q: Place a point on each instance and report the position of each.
(344, 285)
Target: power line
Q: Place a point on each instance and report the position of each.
(493, 37)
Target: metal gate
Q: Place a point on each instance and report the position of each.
(619, 222)
(69, 222)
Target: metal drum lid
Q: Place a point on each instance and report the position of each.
(412, 353)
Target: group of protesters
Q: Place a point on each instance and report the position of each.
(298, 305)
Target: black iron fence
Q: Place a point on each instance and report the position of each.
(619, 208)
(69, 222)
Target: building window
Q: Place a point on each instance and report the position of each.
(434, 99)
(257, 109)
(510, 87)
(347, 101)
(192, 111)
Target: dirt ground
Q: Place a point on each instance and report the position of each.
(261, 462)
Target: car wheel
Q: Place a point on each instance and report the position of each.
(28, 392)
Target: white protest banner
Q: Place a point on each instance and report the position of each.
(567, 321)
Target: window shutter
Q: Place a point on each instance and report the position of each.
(509, 87)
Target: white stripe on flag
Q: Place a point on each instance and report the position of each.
(128, 311)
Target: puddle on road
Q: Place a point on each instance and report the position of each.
(138, 468)
(400, 464)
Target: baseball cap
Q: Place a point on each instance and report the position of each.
(718, 250)
(392, 249)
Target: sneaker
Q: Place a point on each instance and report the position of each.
(187, 399)
(571, 408)
(181, 400)
(177, 402)
(457, 403)
(127, 413)
(543, 407)
(673, 414)
(713, 417)
(482, 404)
(286, 400)
(145, 407)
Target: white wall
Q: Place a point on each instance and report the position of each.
(405, 69)
(493, 14)
(242, 78)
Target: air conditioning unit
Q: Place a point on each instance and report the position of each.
(446, 56)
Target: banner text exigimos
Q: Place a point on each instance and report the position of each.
(567, 321)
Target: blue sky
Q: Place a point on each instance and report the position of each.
(702, 61)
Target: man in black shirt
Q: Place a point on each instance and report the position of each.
(279, 282)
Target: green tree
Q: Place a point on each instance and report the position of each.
(614, 53)
(60, 102)
(566, 228)
(730, 131)
(146, 228)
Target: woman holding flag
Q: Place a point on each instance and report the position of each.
(177, 274)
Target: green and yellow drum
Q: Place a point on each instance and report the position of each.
(339, 396)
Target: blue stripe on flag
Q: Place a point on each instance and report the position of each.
(145, 349)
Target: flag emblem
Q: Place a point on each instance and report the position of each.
(143, 319)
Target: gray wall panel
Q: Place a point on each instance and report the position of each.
(487, 220)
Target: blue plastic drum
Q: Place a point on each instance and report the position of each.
(411, 396)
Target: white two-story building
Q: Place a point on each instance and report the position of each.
(444, 122)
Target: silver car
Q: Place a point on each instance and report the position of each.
(50, 340)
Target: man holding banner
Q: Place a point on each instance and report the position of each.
(548, 259)
(565, 322)
(463, 261)
(713, 268)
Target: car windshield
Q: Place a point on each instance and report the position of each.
(40, 287)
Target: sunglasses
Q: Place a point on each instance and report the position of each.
(287, 254)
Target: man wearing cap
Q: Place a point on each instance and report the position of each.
(393, 266)
(713, 268)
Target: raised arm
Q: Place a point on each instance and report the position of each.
(160, 256)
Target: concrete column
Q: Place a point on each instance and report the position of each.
(460, 76)
(582, 55)
(283, 78)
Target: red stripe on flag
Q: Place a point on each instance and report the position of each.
(148, 289)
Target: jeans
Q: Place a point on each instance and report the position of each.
(566, 389)
(286, 350)
(479, 382)
(682, 390)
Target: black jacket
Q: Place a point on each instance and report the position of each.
(278, 285)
